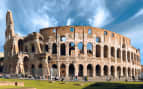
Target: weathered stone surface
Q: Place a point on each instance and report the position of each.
(71, 53)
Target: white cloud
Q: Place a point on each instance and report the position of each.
(139, 13)
(69, 21)
(101, 18)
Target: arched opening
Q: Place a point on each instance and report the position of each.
(119, 72)
(81, 48)
(112, 71)
(63, 70)
(105, 51)
(54, 48)
(128, 56)
(25, 49)
(40, 69)
(89, 70)
(80, 72)
(124, 71)
(1, 64)
(98, 40)
(71, 49)
(112, 51)
(98, 70)
(63, 49)
(63, 38)
(32, 48)
(124, 55)
(20, 45)
(71, 70)
(46, 48)
(54, 70)
(26, 63)
(105, 70)
(33, 69)
(129, 72)
(98, 51)
(133, 74)
(118, 53)
(89, 49)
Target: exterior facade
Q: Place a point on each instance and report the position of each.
(69, 52)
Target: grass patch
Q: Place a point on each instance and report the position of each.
(44, 84)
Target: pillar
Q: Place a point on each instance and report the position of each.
(67, 71)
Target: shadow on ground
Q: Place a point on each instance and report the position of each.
(101, 85)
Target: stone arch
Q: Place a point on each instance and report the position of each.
(124, 55)
(20, 45)
(63, 49)
(124, 71)
(89, 70)
(89, 49)
(105, 51)
(71, 48)
(63, 70)
(129, 72)
(133, 72)
(54, 48)
(112, 51)
(32, 48)
(112, 71)
(26, 64)
(119, 71)
(118, 53)
(33, 69)
(128, 56)
(98, 51)
(46, 48)
(40, 67)
(54, 70)
(71, 70)
(80, 72)
(98, 70)
(80, 48)
(105, 68)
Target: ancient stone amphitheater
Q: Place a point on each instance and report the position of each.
(71, 52)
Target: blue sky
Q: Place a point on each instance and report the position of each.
(121, 16)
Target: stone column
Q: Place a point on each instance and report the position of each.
(115, 72)
(102, 52)
(94, 73)
(121, 56)
(94, 49)
(126, 56)
(58, 69)
(85, 48)
(127, 73)
(67, 48)
(67, 71)
(109, 53)
(102, 71)
(109, 71)
(121, 71)
(76, 49)
(115, 55)
(76, 69)
(58, 49)
(85, 70)
(50, 48)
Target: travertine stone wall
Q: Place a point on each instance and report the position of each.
(70, 51)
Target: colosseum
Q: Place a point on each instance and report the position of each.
(70, 52)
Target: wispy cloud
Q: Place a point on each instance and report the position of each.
(139, 13)
(69, 22)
